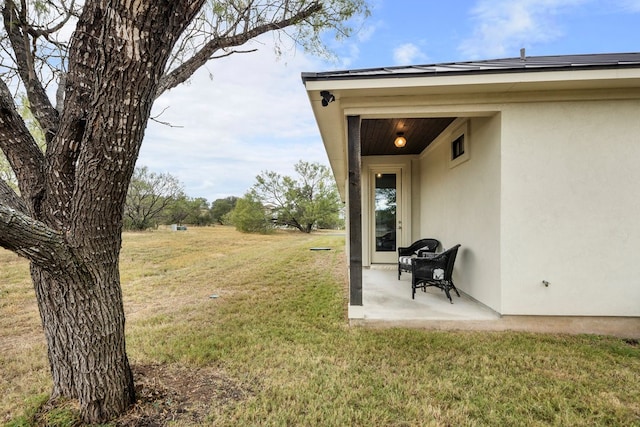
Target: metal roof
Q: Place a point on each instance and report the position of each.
(491, 66)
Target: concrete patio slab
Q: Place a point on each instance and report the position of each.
(386, 297)
(387, 303)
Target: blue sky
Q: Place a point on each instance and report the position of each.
(248, 113)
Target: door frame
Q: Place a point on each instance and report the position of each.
(387, 257)
(385, 164)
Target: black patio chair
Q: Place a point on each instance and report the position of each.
(436, 270)
(418, 247)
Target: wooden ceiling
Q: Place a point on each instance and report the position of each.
(377, 135)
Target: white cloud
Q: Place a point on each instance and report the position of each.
(253, 115)
(347, 51)
(503, 27)
(631, 5)
(408, 53)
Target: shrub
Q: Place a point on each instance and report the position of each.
(249, 216)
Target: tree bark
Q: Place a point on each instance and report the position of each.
(82, 315)
(71, 230)
(120, 50)
(83, 321)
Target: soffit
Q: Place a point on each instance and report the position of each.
(377, 135)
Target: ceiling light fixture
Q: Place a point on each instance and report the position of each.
(400, 141)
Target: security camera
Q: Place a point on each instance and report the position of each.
(327, 97)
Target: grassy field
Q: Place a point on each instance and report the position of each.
(231, 329)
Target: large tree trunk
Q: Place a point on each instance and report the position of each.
(83, 321)
(119, 52)
(70, 227)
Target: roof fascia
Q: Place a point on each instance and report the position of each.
(473, 79)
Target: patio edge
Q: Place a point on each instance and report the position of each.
(622, 327)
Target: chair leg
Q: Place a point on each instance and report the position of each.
(447, 287)
(446, 291)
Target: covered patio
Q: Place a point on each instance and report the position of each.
(389, 299)
(386, 302)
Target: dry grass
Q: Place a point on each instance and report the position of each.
(23, 364)
(273, 348)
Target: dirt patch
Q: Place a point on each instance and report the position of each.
(174, 393)
(166, 394)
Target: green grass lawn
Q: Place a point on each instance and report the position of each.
(261, 321)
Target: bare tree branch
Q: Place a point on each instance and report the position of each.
(34, 240)
(45, 32)
(9, 198)
(157, 119)
(18, 31)
(160, 122)
(231, 52)
(21, 150)
(230, 39)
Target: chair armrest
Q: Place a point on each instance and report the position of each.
(436, 260)
(428, 253)
(429, 245)
(405, 251)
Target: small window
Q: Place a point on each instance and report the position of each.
(457, 147)
(460, 145)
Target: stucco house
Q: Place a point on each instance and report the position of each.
(532, 164)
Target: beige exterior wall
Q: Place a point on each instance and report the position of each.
(416, 198)
(571, 208)
(461, 204)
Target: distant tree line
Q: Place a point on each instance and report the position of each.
(306, 202)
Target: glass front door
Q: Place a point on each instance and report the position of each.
(386, 192)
